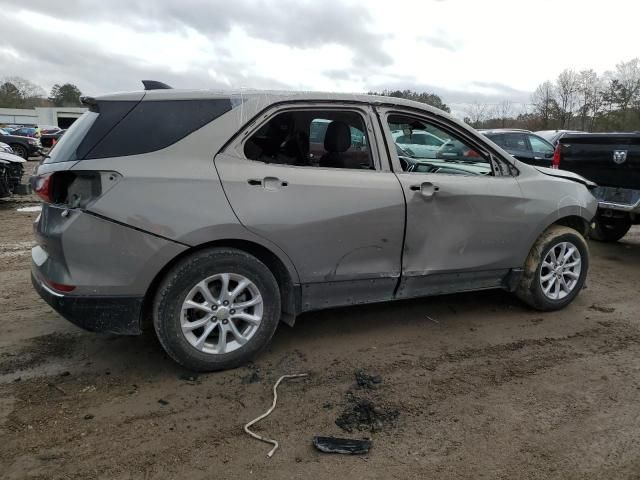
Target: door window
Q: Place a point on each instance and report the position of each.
(425, 148)
(312, 138)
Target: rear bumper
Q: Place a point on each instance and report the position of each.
(621, 199)
(116, 314)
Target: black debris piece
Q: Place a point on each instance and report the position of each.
(342, 445)
(364, 415)
(163, 402)
(366, 380)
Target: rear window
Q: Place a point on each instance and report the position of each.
(122, 128)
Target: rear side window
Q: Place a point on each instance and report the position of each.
(515, 141)
(155, 125)
(121, 128)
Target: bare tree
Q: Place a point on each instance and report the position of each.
(587, 90)
(566, 95)
(503, 111)
(477, 113)
(627, 75)
(543, 102)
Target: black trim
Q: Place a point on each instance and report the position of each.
(155, 85)
(419, 285)
(114, 314)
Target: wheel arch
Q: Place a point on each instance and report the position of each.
(576, 222)
(571, 217)
(286, 278)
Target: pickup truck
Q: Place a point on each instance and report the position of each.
(611, 160)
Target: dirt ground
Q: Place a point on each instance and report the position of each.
(470, 386)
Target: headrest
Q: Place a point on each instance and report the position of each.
(338, 137)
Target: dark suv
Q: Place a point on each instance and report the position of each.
(205, 215)
(523, 145)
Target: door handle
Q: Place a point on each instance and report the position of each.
(426, 189)
(269, 183)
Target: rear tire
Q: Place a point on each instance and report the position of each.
(552, 279)
(610, 229)
(198, 320)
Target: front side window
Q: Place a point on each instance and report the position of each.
(312, 138)
(426, 148)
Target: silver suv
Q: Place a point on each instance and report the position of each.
(208, 216)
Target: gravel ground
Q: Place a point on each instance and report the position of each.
(460, 386)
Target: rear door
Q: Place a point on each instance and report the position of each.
(465, 217)
(342, 226)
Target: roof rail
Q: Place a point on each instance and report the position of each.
(155, 85)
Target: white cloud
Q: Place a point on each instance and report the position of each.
(460, 49)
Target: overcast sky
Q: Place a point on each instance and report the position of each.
(485, 50)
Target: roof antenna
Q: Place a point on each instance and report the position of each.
(155, 85)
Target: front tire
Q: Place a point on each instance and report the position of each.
(555, 270)
(610, 229)
(20, 151)
(216, 309)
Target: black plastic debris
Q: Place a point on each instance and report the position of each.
(365, 380)
(345, 446)
(362, 414)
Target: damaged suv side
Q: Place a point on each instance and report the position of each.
(216, 216)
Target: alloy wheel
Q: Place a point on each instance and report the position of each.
(221, 313)
(560, 270)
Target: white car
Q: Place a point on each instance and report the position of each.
(418, 143)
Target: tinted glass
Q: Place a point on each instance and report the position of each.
(155, 125)
(514, 141)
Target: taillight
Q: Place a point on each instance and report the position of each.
(471, 153)
(61, 287)
(557, 155)
(43, 187)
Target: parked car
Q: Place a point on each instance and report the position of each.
(48, 129)
(5, 148)
(5, 189)
(523, 145)
(25, 132)
(138, 223)
(355, 155)
(418, 142)
(552, 136)
(612, 160)
(14, 168)
(24, 147)
(48, 140)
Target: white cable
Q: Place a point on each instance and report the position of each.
(268, 412)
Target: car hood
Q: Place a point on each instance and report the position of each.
(11, 158)
(567, 175)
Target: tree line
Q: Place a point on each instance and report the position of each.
(575, 100)
(16, 92)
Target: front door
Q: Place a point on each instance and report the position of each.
(465, 213)
(336, 213)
